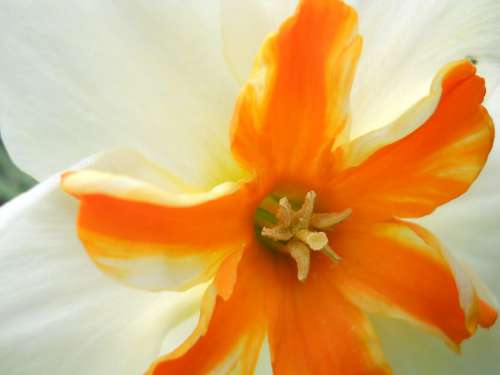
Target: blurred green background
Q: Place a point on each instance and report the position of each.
(12, 180)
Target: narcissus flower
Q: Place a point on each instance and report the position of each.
(300, 236)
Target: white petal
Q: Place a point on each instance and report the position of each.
(80, 77)
(59, 314)
(407, 42)
(413, 352)
(263, 366)
(245, 25)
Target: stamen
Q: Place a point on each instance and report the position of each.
(281, 232)
(301, 254)
(294, 228)
(330, 253)
(285, 212)
(277, 233)
(327, 221)
(303, 215)
(315, 240)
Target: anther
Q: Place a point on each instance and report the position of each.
(315, 240)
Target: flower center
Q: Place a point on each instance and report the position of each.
(297, 232)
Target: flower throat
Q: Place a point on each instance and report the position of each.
(295, 229)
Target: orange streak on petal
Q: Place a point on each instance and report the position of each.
(230, 335)
(218, 222)
(150, 238)
(294, 107)
(458, 75)
(487, 314)
(389, 268)
(432, 165)
(314, 330)
(227, 275)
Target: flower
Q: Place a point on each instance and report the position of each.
(345, 235)
(151, 230)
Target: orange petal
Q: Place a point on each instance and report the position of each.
(431, 165)
(314, 330)
(231, 329)
(487, 315)
(476, 310)
(397, 269)
(149, 238)
(294, 106)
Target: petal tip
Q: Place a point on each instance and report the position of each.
(487, 315)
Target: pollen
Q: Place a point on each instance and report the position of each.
(297, 233)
